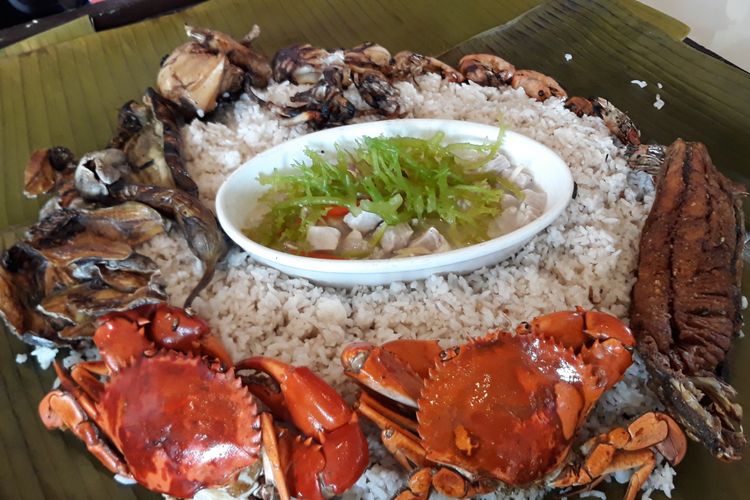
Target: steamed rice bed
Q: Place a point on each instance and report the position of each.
(586, 257)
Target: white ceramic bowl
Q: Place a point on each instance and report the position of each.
(238, 196)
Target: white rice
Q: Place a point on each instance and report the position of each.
(587, 257)
(659, 102)
(44, 356)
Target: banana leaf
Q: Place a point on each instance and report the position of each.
(67, 91)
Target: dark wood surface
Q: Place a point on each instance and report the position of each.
(104, 15)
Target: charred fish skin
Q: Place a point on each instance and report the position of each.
(196, 222)
(686, 303)
(75, 265)
(165, 112)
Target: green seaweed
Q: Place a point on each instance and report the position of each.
(401, 179)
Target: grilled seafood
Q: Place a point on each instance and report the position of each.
(538, 386)
(687, 300)
(241, 54)
(618, 122)
(376, 90)
(149, 136)
(76, 265)
(197, 74)
(486, 69)
(409, 65)
(196, 222)
(48, 170)
(108, 182)
(331, 74)
(195, 426)
(66, 271)
(302, 63)
(368, 55)
(141, 137)
(171, 141)
(646, 157)
(195, 78)
(537, 85)
(492, 71)
(324, 104)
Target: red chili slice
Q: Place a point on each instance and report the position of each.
(337, 211)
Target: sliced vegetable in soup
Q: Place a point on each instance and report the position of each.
(395, 197)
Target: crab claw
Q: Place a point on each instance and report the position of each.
(313, 405)
(602, 340)
(120, 339)
(125, 335)
(173, 328)
(382, 371)
(332, 467)
(574, 328)
(333, 464)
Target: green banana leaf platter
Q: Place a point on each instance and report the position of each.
(64, 87)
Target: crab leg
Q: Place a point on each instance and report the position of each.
(450, 483)
(85, 375)
(644, 460)
(445, 481)
(317, 410)
(628, 448)
(397, 418)
(74, 409)
(402, 444)
(275, 461)
(420, 485)
(60, 410)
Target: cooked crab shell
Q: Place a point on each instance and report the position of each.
(532, 402)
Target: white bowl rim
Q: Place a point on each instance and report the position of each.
(398, 264)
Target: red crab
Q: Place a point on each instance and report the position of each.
(178, 422)
(507, 407)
